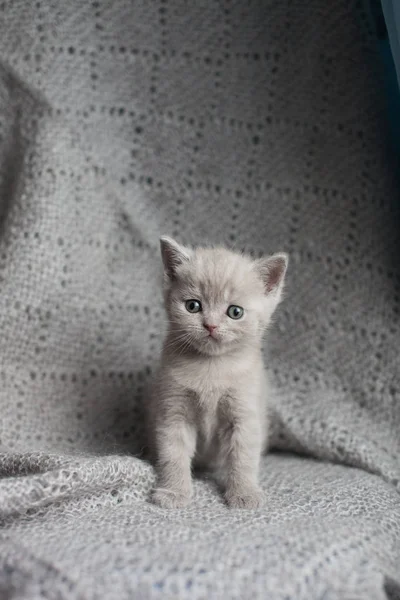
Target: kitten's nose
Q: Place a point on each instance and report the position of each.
(210, 328)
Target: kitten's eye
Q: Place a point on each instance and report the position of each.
(235, 312)
(193, 306)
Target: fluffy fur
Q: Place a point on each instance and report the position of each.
(209, 406)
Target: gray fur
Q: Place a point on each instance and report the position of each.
(209, 406)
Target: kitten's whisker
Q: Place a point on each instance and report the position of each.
(177, 342)
(181, 347)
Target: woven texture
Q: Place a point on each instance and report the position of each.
(257, 124)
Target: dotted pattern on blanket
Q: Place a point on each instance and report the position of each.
(260, 125)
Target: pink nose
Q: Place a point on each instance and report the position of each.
(210, 328)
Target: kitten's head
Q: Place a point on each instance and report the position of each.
(217, 300)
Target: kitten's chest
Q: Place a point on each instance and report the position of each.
(207, 384)
(206, 399)
(206, 380)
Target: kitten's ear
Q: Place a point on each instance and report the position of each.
(272, 271)
(173, 255)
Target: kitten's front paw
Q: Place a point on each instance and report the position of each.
(166, 498)
(244, 497)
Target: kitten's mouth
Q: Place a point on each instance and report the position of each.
(212, 337)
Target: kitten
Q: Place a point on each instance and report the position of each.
(210, 401)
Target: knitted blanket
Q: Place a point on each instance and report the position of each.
(259, 124)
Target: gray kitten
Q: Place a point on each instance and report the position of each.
(210, 401)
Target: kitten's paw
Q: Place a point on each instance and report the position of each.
(166, 498)
(244, 497)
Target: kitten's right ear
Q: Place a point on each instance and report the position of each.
(173, 255)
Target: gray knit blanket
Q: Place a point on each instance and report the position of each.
(259, 124)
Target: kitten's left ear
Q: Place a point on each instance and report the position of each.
(272, 271)
(173, 255)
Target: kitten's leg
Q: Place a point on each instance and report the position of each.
(241, 446)
(176, 444)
